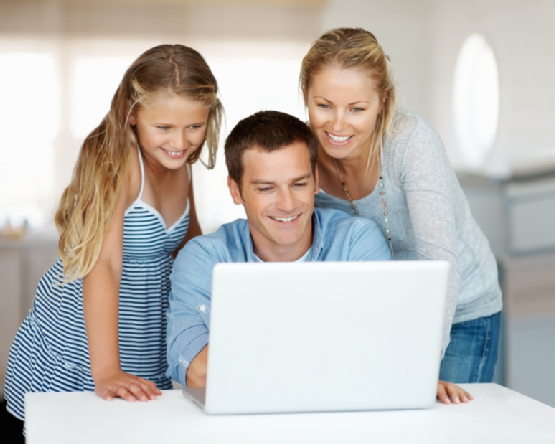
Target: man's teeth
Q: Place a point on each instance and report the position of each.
(285, 219)
(339, 138)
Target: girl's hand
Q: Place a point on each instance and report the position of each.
(125, 385)
(449, 393)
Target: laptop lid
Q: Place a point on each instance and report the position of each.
(325, 336)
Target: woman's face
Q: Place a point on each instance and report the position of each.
(343, 106)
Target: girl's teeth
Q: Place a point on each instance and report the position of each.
(174, 153)
(338, 138)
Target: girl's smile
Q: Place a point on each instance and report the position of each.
(170, 128)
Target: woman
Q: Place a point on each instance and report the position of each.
(391, 166)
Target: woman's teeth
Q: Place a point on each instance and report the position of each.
(338, 138)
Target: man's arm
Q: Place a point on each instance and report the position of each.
(196, 374)
(189, 313)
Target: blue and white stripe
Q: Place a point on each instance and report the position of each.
(50, 351)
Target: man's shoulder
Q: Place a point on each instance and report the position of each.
(339, 221)
(222, 244)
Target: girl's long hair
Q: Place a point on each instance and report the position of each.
(87, 205)
(355, 48)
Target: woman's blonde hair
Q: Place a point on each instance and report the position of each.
(354, 48)
(87, 205)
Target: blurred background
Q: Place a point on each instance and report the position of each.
(481, 72)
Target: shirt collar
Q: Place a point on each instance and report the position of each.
(315, 249)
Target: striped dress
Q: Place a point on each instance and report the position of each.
(50, 351)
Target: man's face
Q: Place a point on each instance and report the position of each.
(277, 191)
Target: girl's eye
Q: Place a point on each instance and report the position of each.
(196, 126)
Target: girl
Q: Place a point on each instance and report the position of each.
(99, 317)
(391, 166)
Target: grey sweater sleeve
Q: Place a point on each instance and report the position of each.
(424, 173)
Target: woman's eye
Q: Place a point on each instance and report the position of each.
(357, 110)
(323, 105)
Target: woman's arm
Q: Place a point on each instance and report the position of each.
(432, 195)
(100, 309)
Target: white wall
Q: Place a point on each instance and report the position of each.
(423, 39)
(522, 35)
(403, 28)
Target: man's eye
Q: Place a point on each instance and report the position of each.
(300, 184)
(264, 189)
(164, 128)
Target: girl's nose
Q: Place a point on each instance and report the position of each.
(180, 141)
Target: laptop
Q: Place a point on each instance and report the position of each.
(323, 336)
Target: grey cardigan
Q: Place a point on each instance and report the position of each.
(429, 218)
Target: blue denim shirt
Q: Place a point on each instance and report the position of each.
(336, 237)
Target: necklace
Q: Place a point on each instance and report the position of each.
(355, 209)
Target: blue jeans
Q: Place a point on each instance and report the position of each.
(472, 352)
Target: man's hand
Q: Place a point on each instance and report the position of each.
(196, 373)
(119, 384)
(449, 393)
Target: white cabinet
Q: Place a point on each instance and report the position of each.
(518, 218)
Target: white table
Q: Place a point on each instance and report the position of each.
(497, 415)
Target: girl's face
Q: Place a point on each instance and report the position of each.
(170, 128)
(343, 106)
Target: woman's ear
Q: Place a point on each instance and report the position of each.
(384, 98)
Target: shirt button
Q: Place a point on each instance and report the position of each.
(203, 308)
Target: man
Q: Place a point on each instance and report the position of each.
(271, 161)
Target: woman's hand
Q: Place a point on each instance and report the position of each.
(449, 393)
(119, 384)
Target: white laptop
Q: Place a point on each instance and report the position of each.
(324, 336)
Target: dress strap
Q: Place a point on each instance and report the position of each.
(189, 173)
(142, 173)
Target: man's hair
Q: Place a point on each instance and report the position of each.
(266, 131)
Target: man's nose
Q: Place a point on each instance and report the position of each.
(285, 200)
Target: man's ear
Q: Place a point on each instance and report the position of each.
(234, 191)
(316, 182)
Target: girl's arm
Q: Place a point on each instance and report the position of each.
(100, 308)
(194, 228)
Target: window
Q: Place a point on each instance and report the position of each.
(252, 77)
(57, 96)
(30, 116)
(476, 100)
